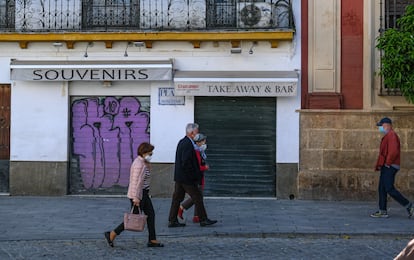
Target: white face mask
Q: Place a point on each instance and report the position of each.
(148, 158)
(203, 147)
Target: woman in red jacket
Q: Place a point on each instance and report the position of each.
(200, 148)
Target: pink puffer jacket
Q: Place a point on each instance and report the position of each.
(136, 178)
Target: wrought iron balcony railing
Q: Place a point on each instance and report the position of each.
(144, 15)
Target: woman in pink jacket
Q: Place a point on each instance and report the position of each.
(138, 189)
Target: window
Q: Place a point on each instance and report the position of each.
(221, 14)
(249, 14)
(394, 9)
(110, 14)
(391, 10)
(7, 15)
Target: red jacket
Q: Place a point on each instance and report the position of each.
(203, 167)
(389, 150)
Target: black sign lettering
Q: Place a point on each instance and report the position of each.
(37, 75)
(108, 74)
(130, 74)
(51, 74)
(143, 74)
(81, 76)
(65, 77)
(94, 74)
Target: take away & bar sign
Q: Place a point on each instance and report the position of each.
(239, 84)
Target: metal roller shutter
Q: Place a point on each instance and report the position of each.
(105, 134)
(241, 138)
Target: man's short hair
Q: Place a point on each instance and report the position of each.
(191, 127)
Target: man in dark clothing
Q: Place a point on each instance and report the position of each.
(187, 176)
(388, 163)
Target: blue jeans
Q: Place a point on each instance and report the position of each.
(386, 186)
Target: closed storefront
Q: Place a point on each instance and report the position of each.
(241, 145)
(238, 113)
(98, 114)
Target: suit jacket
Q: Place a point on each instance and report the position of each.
(187, 169)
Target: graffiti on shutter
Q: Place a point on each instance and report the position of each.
(106, 133)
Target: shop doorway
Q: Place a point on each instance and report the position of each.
(5, 97)
(241, 139)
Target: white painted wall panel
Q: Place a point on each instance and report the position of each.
(4, 73)
(288, 127)
(168, 125)
(39, 121)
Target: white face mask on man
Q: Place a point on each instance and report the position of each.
(203, 147)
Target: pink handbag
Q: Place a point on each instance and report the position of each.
(135, 222)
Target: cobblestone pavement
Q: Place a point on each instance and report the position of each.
(208, 248)
(71, 227)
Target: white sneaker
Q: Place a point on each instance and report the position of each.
(380, 214)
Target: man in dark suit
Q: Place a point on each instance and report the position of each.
(187, 176)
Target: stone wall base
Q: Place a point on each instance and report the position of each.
(286, 179)
(38, 178)
(352, 185)
(4, 176)
(339, 149)
(162, 180)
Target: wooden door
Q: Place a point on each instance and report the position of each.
(5, 122)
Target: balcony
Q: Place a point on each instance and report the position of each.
(72, 21)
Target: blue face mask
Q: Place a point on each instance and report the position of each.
(382, 130)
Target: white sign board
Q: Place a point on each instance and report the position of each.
(236, 83)
(251, 89)
(90, 71)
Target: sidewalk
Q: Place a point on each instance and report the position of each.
(73, 217)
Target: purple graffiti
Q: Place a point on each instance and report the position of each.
(106, 135)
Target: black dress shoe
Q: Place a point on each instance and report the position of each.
(207, 222)
(150, 244)
(108, 239)
(176, 224)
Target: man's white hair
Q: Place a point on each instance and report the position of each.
(191, 127)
